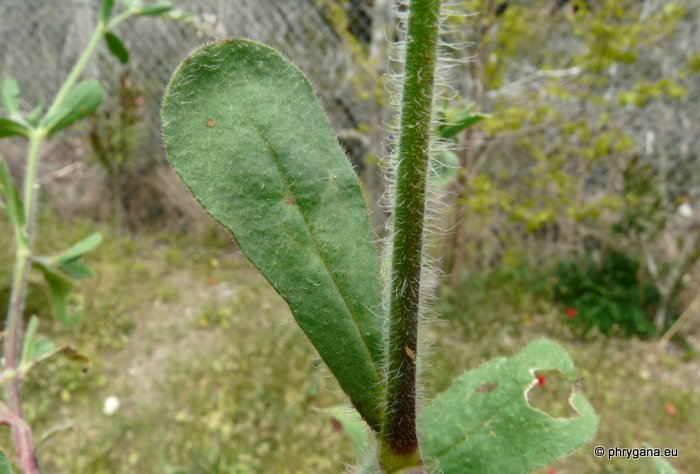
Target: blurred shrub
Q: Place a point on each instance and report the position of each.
(490, 296)
(608, 295)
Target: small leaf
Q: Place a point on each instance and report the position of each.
(153, 10)
(107, 6)
(451, 130)
(59, 289)
(35, 347)
(10, 93)
(81, 101)
(116, 47)
(40, 348)
(75, 269)
(79, 249)
(483, 422)
(348, 421)
(444, 168)
(246, 133)
(35, 114)
(4, 464)
(8, 191)
(10, 127)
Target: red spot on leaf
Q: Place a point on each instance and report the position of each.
(571, 312)
(337, 426)
(541, 381)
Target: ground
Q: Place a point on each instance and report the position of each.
(213, 376)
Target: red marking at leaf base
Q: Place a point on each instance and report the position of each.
(541, 381)
(571, 312)
(552, 471)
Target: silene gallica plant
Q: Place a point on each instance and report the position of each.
(246, 133)
(22, 350)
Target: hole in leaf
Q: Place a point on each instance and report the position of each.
(550, 394)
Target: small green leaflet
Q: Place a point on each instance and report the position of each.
(10, 93)
(81, 101)
(107, 6)
(153, 10)
(59, 291)
(116, 47)
(79, 249)
(10, 127)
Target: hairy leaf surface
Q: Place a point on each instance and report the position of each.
(246, 133)
(483, 422)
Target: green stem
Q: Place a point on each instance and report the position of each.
(77, 69)
(13, 325)
(399, 441)
(23, 260)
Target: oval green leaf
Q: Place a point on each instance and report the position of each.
(484, 423)
(246, 133)
(116, 47)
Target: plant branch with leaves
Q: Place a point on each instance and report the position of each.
(73, 101)
(246, 133)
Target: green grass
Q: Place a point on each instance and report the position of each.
(214, 377)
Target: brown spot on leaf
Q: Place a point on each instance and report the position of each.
(290, 201)
(337, 426)
(487, 387)
(211, 123)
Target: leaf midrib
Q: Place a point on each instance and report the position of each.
(317, 248)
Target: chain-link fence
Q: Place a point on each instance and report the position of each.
(336, 43)
(43, 39)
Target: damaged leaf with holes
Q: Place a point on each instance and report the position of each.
(483, 422)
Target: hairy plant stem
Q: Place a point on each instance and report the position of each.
(13, 326)
(399, 441)
(24, 240)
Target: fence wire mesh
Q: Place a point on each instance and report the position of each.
(332, 41)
